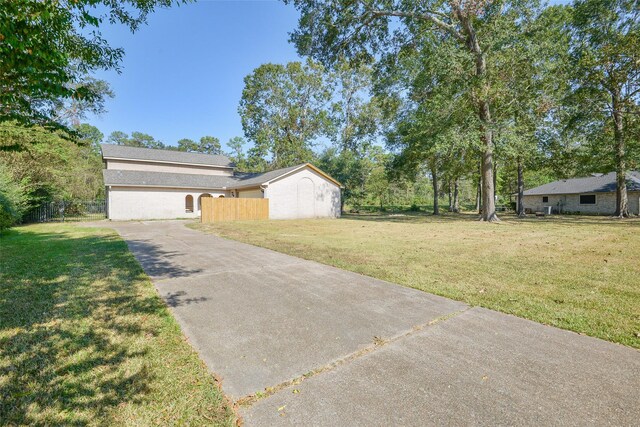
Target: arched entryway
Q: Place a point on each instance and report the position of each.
(188, 203)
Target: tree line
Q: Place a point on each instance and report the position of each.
(494, 92)
(472, 98)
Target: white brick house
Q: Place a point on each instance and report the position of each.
(143, 183)
(595, 194)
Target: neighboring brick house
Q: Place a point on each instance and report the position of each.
(143, 183)
(594, 194)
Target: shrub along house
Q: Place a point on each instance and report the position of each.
(595, 194)
(144, 183)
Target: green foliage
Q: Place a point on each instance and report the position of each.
(137, 139)
(209, 145)
(284, 109)
(89, 136)
(53, 165)
(237, 154)
(604, 107)
(10, 199)
(356, 116)
(456, 56)
(48, 47)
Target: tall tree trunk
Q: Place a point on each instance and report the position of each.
(622, 201)
(495, 176)
(520, 207)
(449, 196)
(479, 194)
(456, 195)
(434, 182)
(488, 189)
(484, 114)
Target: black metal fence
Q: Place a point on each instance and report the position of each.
(73, 210)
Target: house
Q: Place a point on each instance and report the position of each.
(595, 194)
(144, 183)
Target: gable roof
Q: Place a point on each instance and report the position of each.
(592, 184)
(246, 179)
(182, 180)
(110, 151)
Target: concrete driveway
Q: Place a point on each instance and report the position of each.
(300, 343)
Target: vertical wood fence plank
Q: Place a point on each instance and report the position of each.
(228, 209)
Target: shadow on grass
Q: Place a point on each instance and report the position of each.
(69, 319)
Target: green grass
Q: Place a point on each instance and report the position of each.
(85, 339)
(576, 273)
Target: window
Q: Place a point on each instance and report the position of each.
(587, 199)
(545, 199)
(188, 203)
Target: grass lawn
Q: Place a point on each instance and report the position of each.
(85, 339)
(576, 273)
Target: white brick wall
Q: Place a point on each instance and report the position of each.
(305, 194)
(605, 203)
(127, 203)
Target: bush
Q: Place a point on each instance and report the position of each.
(8, 213)
(10, 200)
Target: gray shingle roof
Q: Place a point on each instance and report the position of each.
(183, 180)
(591, 184)
(152, 154)
(246, 179)
(165, 179)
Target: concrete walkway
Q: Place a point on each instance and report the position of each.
(323, 346)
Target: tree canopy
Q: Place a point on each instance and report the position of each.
(284, 109)
(49, 47)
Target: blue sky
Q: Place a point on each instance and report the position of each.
(182, 75)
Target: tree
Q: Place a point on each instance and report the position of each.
(89, 136)
(354, 112)
(237, 154)
(52, 166)
(209, 145)
(606, 52)
(377, 178)
(118, 138)
(70, 112)
(475, 29)
(11, 199)
(140, 139)
(284, 109)
(48, 48)
(137, 139)
(186, 144)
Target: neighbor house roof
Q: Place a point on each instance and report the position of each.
(596, 183)
(183, 180)
(124, 152)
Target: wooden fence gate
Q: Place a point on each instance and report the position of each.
(228, 209)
